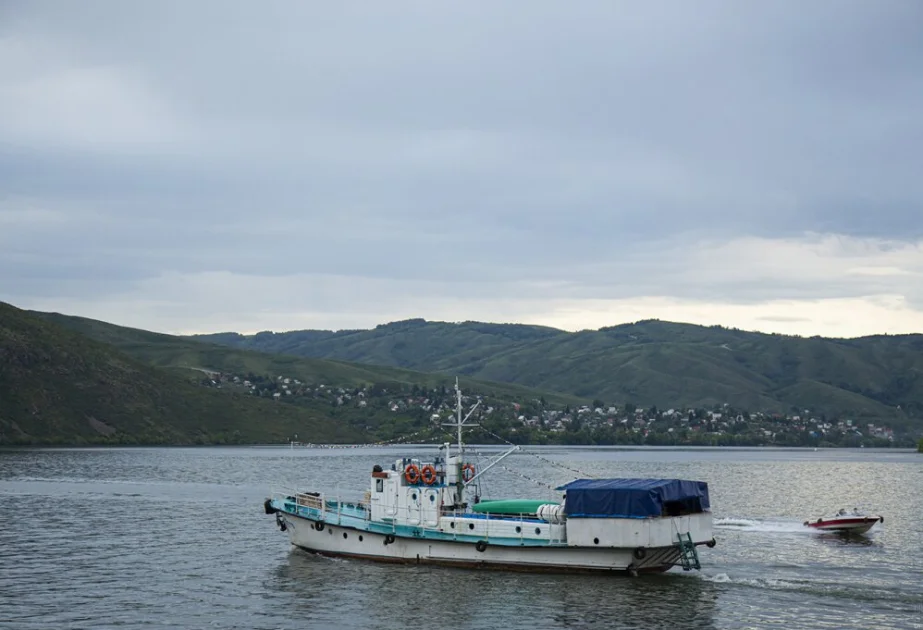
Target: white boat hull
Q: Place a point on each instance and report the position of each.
(845, 525)
(336, 540)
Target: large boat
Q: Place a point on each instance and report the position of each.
(430, 512)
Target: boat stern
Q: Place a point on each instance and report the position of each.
(640, 532)
(663, 518)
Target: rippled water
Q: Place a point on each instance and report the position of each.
(102, 538)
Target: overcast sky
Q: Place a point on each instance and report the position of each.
(207, 166)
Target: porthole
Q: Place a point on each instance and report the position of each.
(344, 535)
(470, 525)
(452, 525)
(414, 496)
(432, 498)
(360, 537)
(330, 531)
(538, 530)
(518, 529)
(596, 541)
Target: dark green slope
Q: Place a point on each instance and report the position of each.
(169, 351)
(674, 364)
(59, 387)
(648, 363)
(414, 344)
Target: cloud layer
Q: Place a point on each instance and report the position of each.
(224, 166)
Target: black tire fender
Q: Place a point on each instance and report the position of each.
(389, 539)
(639, 553)
(481, 546)
(319, 526)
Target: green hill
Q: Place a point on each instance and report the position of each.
(647, 363)
(60, 387)
(414, 344)
(66, 379)
(168, 351)
(72, 380)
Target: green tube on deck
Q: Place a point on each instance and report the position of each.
(509, 506)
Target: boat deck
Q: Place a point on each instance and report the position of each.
(495, 528)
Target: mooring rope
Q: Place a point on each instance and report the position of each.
(544, 459)
(510, 470)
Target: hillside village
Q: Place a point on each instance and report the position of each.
(538, 422)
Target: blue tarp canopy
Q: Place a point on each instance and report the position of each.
(634, 498)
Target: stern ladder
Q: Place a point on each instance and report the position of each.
(689, 555)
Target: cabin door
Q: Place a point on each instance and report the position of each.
(413, 507)
(430, 508)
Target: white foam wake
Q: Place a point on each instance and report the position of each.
(778, 526)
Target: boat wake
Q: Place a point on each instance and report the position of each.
(900, 600)
(777, 526)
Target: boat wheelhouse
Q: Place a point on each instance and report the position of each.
(421, 511)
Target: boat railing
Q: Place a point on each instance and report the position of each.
(311, 501)
(283, 492)
(366, 501)
(331, 510)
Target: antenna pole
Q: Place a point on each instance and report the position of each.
(458, 397)
(460, 422)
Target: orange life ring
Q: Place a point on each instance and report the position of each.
(412, 474)
(428, 475)
(468, 472)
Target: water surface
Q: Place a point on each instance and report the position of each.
(164, 538)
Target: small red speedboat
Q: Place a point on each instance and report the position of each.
(854, 522)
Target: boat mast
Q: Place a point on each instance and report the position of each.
(458, 411)
(460, 423)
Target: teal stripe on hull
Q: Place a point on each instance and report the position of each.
(407, 531)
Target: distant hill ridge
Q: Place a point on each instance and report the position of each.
(73, 380)
(649, 362)
(60, 387)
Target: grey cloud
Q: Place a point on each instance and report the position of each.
(784, 319)
(586, 147)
